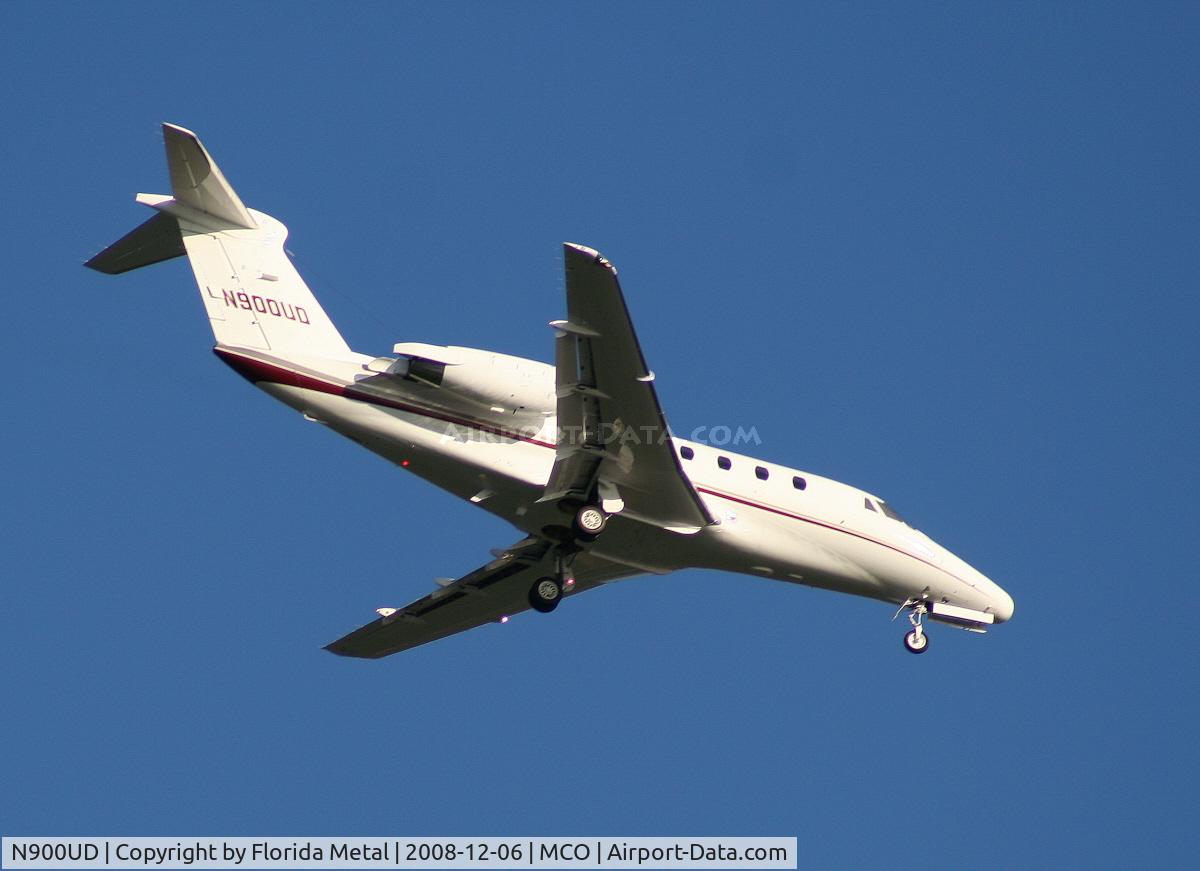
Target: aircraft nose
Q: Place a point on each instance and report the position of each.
(1002, 605)
(990, 595)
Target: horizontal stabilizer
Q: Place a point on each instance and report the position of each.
(196, 181)
(154, 241)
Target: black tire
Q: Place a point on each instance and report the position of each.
(540, 598)
(590, 521)
(910, 642)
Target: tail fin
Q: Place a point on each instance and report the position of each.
(252, 293)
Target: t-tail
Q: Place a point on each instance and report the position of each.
(252, 293)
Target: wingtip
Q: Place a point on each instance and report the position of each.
(591, 253)
(582, 249)
(167, 125)
(96, 263)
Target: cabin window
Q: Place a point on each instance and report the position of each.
(867, 503)
(725, 463)
(799, 483)
(761, 473)
(687, 453)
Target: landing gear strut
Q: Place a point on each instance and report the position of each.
(916, 641)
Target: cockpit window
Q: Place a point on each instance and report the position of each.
(870, 506)
(891, 512)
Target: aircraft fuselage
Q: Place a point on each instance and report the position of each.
(792, 525)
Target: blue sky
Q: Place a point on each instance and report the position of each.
(946, 252)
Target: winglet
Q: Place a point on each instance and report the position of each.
(196, 180)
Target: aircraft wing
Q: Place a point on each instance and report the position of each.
(486, 595)
(613, 437)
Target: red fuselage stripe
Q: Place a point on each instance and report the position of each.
(259, 370)
(826, 525)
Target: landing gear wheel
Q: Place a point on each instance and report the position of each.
(916, 642)
(590, 521)
(545, 594)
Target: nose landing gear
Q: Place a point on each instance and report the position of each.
(915, 641)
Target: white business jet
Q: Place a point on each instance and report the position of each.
(576, 455)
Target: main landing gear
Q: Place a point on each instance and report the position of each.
(589, 521)
(916, 641)
(547, 592)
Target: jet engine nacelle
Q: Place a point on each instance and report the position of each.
(498, 384)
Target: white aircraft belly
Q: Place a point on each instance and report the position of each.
(827, 554)
(466, 467)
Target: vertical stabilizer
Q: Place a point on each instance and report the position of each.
(252, 293)
(196, 180)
